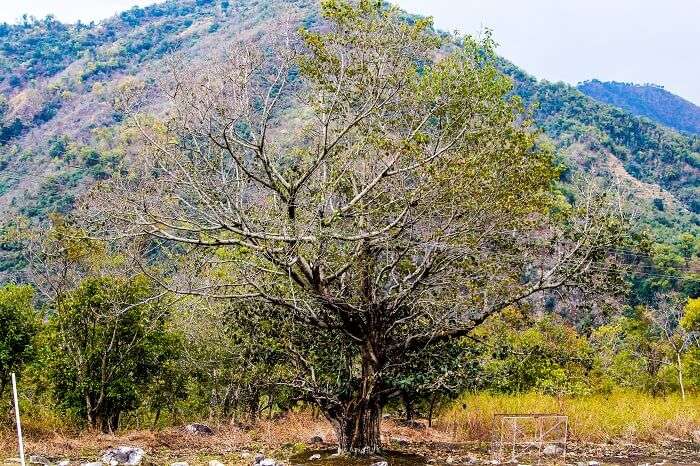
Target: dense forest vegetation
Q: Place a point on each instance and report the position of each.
(226, 304)
(648, 100)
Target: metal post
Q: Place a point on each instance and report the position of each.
(19, 424)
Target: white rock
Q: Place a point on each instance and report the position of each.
(216, 463)
(593, 463)
(179, 463)
(267, 462)
(63, 463)
(552, 450)
(38, 459)
(129, 456)
(315, 457)
(94, 463)
(380, 463)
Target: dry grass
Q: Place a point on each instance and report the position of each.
(164, 444)
(281, 436)
(620, 416)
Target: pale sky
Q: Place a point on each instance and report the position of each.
(639, 41)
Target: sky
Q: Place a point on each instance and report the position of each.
(640, 41)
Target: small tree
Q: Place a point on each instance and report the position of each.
(109, 340)
(670, 322)
(374, 188)
(19, 323)
(236, 362)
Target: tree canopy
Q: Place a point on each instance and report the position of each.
(400, 201)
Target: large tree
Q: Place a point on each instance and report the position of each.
(376, 187)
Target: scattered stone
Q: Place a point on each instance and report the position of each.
(315, 457)
(267, 462)
(13, 460)
(552, 450)
(380, 463)
(593, 463)
(129, 456)
(260, 460)
(403, 441)
(199, 429)
(245, 455)
(316, 439)
(450, 460)
(216, 463)
(38, 459)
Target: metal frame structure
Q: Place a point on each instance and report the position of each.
(527, 435)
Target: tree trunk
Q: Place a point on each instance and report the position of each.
(408, 405)
(156, 418)
(357, 421)
(680, 375)
(253, 406)
(433, 399)
(357, 429)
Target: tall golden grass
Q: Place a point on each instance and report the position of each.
(622, 415)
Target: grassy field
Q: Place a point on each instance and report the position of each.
(620, 418)
(627, 416)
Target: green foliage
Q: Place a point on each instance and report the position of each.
(245, 363)
(691, 315)
(647, 100)
(55, 195)
(648, 151)
(109, 341)
(19, 322)
(544, 354)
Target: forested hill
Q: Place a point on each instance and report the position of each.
(59, 131)
(648, 100)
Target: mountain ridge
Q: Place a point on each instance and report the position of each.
(59, 132)
(647, 100)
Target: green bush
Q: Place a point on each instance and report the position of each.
(109, 341)
(19, 323)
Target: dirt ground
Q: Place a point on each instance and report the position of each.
(291, 438)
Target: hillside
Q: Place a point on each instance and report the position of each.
(647, 100)
(59, 132)
(256, 230)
